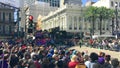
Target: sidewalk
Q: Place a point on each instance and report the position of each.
(112, 53)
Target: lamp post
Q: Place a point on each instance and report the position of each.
(116, 16)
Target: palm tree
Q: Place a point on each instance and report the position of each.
(90, 14)
(104, 13)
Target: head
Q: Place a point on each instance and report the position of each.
(101, 54)
(86, 57)
(74, 58)
(93, 56)
(115, 62)
(107, 58)
(27, 55)
(55, 56)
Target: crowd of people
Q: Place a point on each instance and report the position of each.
(44, 52)
(28, 56)
(107, 44)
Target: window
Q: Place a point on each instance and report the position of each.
(6, 29)
(9, 17)
(112, 4)
(75, 23)
(80, 23)
(3, 16)
(70, 23)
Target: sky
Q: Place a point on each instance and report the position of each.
(84, 1)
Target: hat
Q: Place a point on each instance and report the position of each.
(74, 58)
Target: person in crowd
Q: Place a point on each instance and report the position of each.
(36, 61)
(4, 61)
(93, 61)
(115, 63)
(14, 60)
(80, 43)
(107, 61)
(73, 62)
(101, 59)
(45, 63)
(80, 60)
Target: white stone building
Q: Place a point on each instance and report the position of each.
(68, 18)
(14, 3)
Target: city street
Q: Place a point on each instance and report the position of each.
(112, 53)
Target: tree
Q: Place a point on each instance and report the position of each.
(104, 13)
(90, 14)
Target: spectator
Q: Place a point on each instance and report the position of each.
(4, 62)
(107, 61)
(93, 60)
(115, 63)
(73, 62)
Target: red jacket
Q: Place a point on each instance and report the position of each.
(72, 64)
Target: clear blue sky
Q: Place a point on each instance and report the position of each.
(84, 1)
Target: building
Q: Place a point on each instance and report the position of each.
(69, 2)
(35, 9)
(53, 3)
(14, 3)
(112, 5)
(67, 18)
(7, 24)
(89, 3)
(107, 3)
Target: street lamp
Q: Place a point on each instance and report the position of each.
(116, 15)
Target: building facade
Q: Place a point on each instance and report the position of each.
(68, 18)
(53, 3)
(14, 3)
(112, 5)
(7, 24)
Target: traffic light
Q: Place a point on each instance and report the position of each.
(30, 25)
(31, 22)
